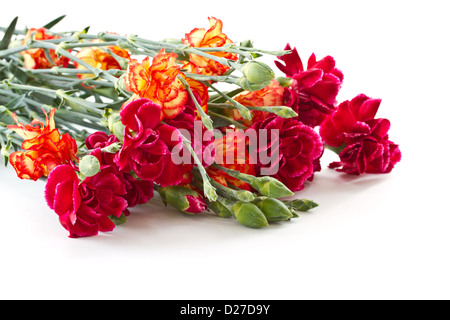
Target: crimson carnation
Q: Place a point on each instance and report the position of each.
(361, 140)
(201, 139)
(312, 93)
(299, 150)
(84, 208)
(99, 140)
(137, 191)
(148, 144)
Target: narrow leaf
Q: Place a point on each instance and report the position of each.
(53, 22)
(8, 34)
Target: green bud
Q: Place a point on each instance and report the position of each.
(112, 148)
(274, 210)
(115, 126)
(256, 76)
(281, 111)
(118, 220)
(249, 215)
(294, 213)
(177, 196)
(267, 186)
(284, 81)
(240, 195)
(222, 207)
(271, 187)
(89, 166)
(301, 204)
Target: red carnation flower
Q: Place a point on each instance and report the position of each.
(362, 140)
(202, 140)
(299, 150)
(313, 91)
(148, 144)
(137, 191)
(84, 208)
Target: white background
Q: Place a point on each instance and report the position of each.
(372, 237)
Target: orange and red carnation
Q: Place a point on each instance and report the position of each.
(44, 148)
(211, 38)
(36, 58)
(100, 58)
(158, 82)
(270, 96)
(231, 151)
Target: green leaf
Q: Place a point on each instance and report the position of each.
(52, 23)
(16, 103)
(8, 34)
(18, 73)
(230, 94)
(118, 220)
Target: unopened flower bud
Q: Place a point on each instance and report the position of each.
(301, 204)
(284, 81)
(256, 76)
(89, 166)
(222, 207)
(271, 187)
(274, 210)
(115, 126)
(183, 199)
(249, 215)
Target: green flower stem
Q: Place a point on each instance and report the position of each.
(61, 51)
(58, 70)
(66, 45)
(282, 111)
(208, 189)
(8, 85)
(82, 105)
(15, 95)
(239, 195)
(235, 123)
(244, 111)
(74, 81)
(225, 62)
(274, 53)
(201, 77)
(11, 51)
(265, 185)
(230, 49)
(218, 98)
(207, 122)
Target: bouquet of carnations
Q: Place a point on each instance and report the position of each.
(109, 120)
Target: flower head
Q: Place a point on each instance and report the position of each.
(36, 58)
(364, 140)
(84, 208)
(312, 93)
(232, 153)
(137, 191)
(148, 144)
(100, 58)
(45, 148)
(297, 148)
(272, 95)
(211, 38)
(158, 82)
